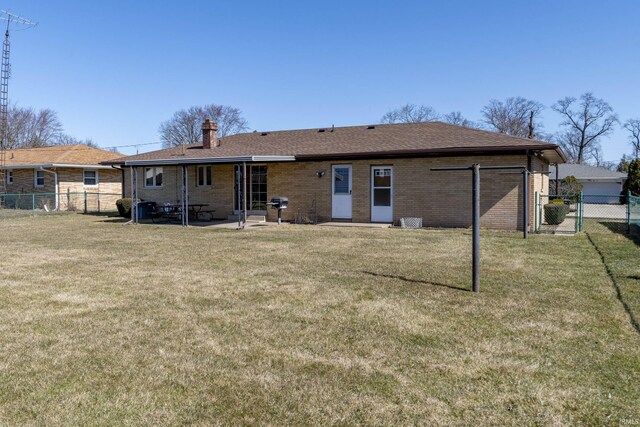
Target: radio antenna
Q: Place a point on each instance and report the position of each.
(19, 23)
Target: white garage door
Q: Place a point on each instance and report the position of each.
(593, 189)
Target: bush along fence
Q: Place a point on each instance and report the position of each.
(571, 213)
(84, 201)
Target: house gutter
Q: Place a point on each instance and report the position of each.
(208, 160)
(56, 185)
(55, 165)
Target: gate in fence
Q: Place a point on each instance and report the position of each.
(86, 202)
(572, 213)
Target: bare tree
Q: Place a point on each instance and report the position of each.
(633, 126)
(65, 139)
(511, 117)
(456, 118)
(185, 125)
(411, 113)
(587, 121)
(28, 128)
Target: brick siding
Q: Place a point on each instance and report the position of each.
(441, 199)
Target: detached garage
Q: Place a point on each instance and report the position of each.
(600, 185)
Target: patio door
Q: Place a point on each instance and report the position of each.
(256, 190)
(382, 194)
(341, 190)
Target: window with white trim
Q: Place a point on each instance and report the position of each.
(9, 177)
(38, 178)
(204, 176)
(153, 177)
(90, 178)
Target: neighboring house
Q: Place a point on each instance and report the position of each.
(600, 185)
(60, 171)
(376, 173)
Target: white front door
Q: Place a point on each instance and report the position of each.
(381, 194)
(341, 189)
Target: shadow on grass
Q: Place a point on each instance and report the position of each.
(621, 228)
(424, 282)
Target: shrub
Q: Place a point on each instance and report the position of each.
(557, 201)
(124, 207)
(555, 213)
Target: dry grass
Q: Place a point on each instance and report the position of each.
(105, 324)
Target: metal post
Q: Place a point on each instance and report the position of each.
(525, 207)
(186, 185)
(238, 198)
(557, 179)
(244, 190)
(476, 228)
(628, 211)
(581, 212)
(134, 194)
(33, 203)
(85, 202)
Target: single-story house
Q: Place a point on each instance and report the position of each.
(599, 185)
(374, 173)
(57, 172)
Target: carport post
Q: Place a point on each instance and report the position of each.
(475, 265)
(244, 191)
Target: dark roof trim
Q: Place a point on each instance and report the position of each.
(456, 151)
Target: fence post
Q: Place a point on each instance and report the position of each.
(98, 200)
(33, 203)
(68, 197)
(628, 211)
(85, 202)
(581, 212)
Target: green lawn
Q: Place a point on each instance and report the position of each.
(109, 324)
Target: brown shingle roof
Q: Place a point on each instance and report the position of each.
(61, 154)
(352, 141)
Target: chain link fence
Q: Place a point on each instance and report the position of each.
(633, 214)
(557, 213)
(572, 213)
(36, 203)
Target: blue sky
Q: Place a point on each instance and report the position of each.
(114, 70)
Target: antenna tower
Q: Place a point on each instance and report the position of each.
(5, 73)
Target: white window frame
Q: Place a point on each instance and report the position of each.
(9, 177)
(204, 175)
(154, 176)
(84, 178)
(35, 178)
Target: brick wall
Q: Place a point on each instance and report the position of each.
(442, 199)
(71, 181)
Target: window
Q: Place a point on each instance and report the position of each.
(9, 177)
(204, 176)
(153, 177)
(38, 180)
(90, 178)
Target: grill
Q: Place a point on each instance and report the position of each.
(279, 203)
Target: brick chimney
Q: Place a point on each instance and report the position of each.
(209, 138)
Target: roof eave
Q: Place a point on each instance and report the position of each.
(57, 165)
(208, 160)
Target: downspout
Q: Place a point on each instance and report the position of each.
(55, 185)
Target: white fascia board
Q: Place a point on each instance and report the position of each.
(209, 160)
